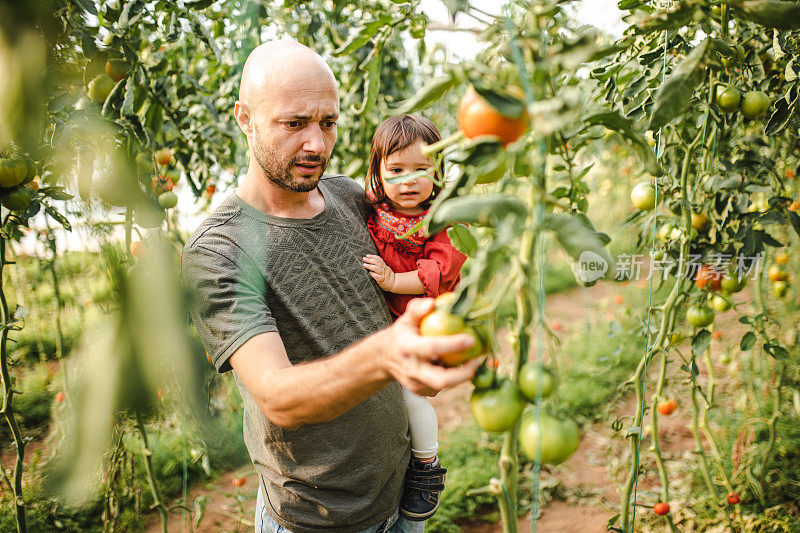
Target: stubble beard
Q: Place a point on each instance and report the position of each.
(281, 174)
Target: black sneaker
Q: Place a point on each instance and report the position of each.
(424, 482)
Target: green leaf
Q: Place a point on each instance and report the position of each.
(430, 92)
(776, 350)
(411, 176)
(357, 39)
(505, 103)
(700, 342)
(463, 239)
(127, 102)
(198, 4)
(578, 238)
(676, 93)
(456, 6)
(748, 341)
(614, 121)
(58, 217)
(486, 210)
(628, 4)
(771, 13)
(372, 82)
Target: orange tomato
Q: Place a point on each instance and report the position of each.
(138, 249)
(476, 117)
(667, 407)
(708, 275)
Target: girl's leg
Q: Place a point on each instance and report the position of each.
(424, 426)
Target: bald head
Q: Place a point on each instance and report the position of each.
(288, 107)
(280, 63)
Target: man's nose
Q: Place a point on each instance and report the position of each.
(314, 140)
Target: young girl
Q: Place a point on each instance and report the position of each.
(407, 268)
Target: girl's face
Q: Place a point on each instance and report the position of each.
(406, 197)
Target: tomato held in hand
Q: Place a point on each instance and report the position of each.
(441, 322)
(477, 117)
(557, 438)
(497, 409)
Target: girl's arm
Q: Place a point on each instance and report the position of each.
(391, 281)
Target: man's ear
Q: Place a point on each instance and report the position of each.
(242, 115)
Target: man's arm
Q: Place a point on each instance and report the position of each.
(293, 396)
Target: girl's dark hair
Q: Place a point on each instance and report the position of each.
(394, 135)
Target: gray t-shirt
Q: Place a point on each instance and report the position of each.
(250, 273)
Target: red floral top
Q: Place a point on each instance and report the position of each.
(435, 259)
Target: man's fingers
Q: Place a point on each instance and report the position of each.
(415, 311)
(438, 378)
(436, 345)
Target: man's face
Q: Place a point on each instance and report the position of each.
(294, 130)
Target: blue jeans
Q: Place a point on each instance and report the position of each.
(395, 524)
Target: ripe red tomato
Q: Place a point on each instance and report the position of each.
(708, 275)
(717, 335)
(667, 407)
(476, 117)
(733, 498)
(618, 299)
(661, 508)
(239, 481)
(59, 397)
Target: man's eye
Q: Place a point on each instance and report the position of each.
(293, 123)
(328, 124)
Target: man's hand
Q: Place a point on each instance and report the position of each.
(379, 271)
(410, 358)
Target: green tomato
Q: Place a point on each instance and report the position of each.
(497, 409)
(725, 358)
(720, 303)
(779, 289)
(754, 104)
(731, 282)
(555, 439)
(17, 198)
(13, 171)
(700, 317)
(728, 99)
(484, 378)
(535, 381)
(168, 200)
(643, 196)
(665, 231)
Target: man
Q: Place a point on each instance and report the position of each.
(281, 298)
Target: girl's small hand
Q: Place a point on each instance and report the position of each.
(379, 271)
